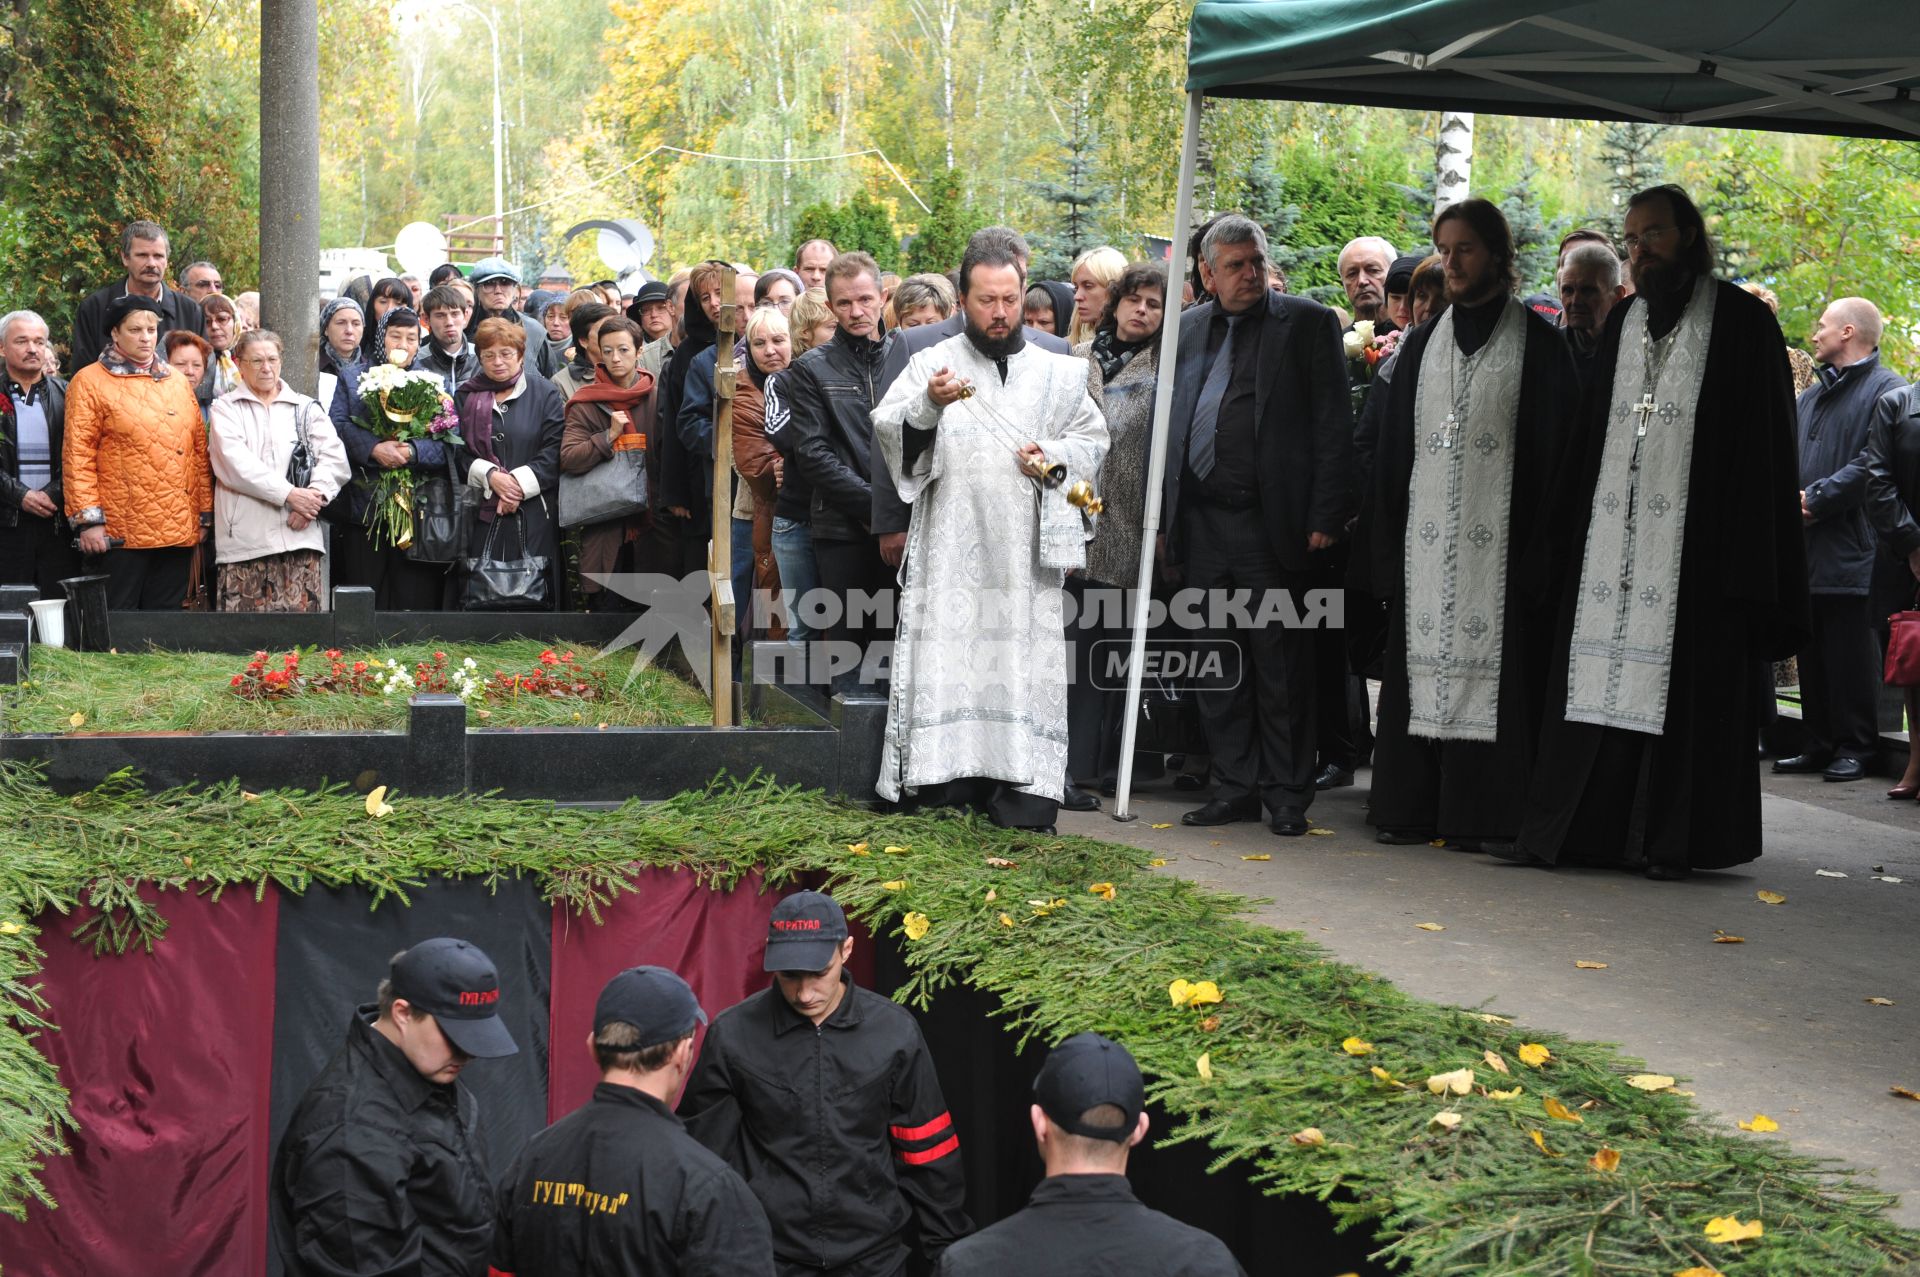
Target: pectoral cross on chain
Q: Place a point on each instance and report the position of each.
(1646, 408)
(1446, 436)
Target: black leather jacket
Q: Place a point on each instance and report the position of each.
(12, 491)
(831, 392)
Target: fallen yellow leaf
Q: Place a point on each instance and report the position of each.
(1770, 898)
(1429, 926)
(896, 851)
(1541, 1141)
(1443, 1121)
(1904, 1093)
(1104, 890)
(1262, 856)
(1495, 1061)
(1460, 1081)
(1355, 1046)
(1006, 920)
(1605, 1161)
(1319, 831)
(992, 895)
(1311, 1137)
(9, 928)
(1650, 1081)
(1699, 1272)
(77, 719)
(1157, 863)
(916, 925)
(1555, 1109)
(1001, 862)
(898, 884)
(1761, 1123)
(377, 804)
(1492, 1019)
(1165, 826)
(1203, 993)
(1584, 965)
(858, 849)
(1724, 938)
(1438, 842)
(1505, 1095)
(1879, 1002)
(1204, 1066)
(1533, 1055)
(1728, 1228)
(1387, 1077)
(187, 861)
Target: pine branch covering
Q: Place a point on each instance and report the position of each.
(1012, 914)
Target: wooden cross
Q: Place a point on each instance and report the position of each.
(720, 547)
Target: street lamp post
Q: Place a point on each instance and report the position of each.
(499, 126)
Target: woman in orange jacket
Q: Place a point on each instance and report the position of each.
(137, 483)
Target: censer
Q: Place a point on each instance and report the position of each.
(1079, 493)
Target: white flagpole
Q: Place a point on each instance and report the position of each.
(1157, 456)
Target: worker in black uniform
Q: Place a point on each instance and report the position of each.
(822, 1095)
(618, 1187)
(1083, 1219)
(381, 1169)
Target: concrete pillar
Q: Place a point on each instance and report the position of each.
(290, 181)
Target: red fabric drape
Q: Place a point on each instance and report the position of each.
(167, 1056)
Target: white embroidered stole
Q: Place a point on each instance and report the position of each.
(1458, 507)
(1622, 655)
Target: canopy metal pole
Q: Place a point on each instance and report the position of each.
(1157, 455)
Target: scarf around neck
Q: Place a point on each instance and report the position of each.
(1112, 354)
(116, 362)
(476, 427)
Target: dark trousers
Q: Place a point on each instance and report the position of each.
(34, 552)
(998, 801)
(1345, 735)
(1840, 679)
(848, 568)
(1093, 706)
(147, 580)
(398, 583)
(1262, 730)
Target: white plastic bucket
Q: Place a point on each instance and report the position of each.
(50, 621)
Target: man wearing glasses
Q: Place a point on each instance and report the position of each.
(822, 1095)
(1673, 539)
(199, 279)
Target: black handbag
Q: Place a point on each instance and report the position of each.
(496, 584)
(442, 513)
(300, 464)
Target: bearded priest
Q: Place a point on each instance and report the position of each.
(1673, 533)
(985, 435)
(1481, 403)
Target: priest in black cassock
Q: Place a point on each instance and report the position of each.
(1482, 399)
(1673, 535)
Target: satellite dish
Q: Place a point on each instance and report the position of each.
(420, 246)
(624, 243)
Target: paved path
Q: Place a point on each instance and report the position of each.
(1778, 1025)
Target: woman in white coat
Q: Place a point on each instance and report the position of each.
(270, 543)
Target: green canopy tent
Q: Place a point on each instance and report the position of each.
(1790, 65)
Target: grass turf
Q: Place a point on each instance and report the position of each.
(187, 692)
(1068, 934)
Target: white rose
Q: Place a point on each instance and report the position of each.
(1364, 331)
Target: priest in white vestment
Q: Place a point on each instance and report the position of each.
(972, 431)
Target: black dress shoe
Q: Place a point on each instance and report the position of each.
(1078, 799)
(1403, 837)
(1288, 822)
(1666, 873)
(1511, 853)
(1222, 812)
(1845, 769)
(1333, 776)
(1800, 765)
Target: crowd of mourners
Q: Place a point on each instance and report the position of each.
(163, 449)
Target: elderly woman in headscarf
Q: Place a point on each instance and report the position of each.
(550, 308)
(399, 584)
(1049, 307)
(134, 461)
(342, 325)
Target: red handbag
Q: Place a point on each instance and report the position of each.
(1903, 647)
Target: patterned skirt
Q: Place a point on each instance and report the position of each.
(287, 582)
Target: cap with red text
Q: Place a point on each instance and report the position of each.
(456, 984)
(806, 930)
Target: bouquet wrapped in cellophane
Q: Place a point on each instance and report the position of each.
(403, 406)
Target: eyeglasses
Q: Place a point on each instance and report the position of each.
(1651, 236)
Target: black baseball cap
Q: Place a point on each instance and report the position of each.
(455, 983)
(653, 1000)
(1085, 1072)
(806, 930)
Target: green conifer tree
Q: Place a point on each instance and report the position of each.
(942, 238)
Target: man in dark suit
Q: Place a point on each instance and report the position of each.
(1259, 482)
